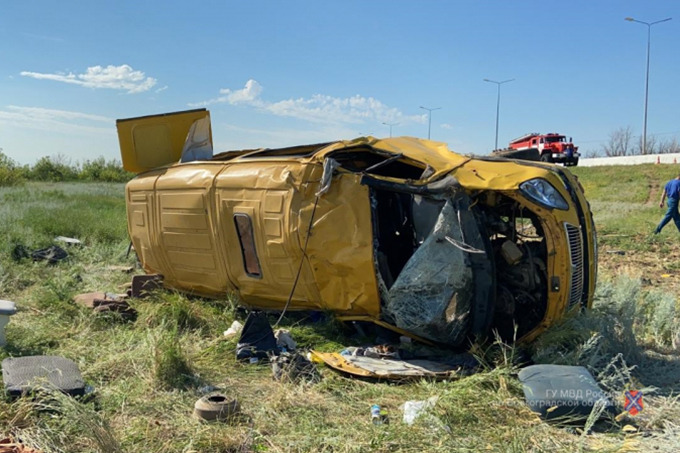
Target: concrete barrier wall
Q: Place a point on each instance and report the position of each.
(630, 160)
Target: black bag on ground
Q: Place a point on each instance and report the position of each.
(53, 254)
(257, 338)
(294, 367)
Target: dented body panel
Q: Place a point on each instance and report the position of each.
(186, 233)
(400, 231)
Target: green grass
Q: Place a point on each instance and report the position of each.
(625, 200)
(147, 374)
(629, 183)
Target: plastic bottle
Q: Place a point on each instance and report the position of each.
(384, 419)
(375, 415)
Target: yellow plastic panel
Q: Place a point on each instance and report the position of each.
(150, 142)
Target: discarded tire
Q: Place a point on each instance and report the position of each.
(215, 407)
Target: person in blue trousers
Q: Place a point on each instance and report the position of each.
(672, 192)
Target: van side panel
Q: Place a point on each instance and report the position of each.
(267, 196)
(141, 218)
(186, 229)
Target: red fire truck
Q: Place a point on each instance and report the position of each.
(551, 147)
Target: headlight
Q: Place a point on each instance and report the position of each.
(543, 193)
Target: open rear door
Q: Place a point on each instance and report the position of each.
(148, 142)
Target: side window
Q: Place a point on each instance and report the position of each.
(244, 228)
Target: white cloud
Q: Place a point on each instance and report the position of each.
(52, 114)
(446, 126)
(323, 108)
(248, 94)
(163, 88)
(121, 77)
(319, 108)
(61, 121)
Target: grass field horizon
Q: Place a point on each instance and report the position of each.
(147, 374)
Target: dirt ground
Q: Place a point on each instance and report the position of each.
(658, 267)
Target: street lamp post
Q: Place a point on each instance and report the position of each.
(498, 104)
(390, 125)
(649, 36)
(429, 118)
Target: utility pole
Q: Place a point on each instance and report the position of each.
(429, 118)
(498, 104)
(649, 38)
(390, 125)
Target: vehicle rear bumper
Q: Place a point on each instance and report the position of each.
(562, 157)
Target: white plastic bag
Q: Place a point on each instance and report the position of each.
(235, 328)
(414, 409)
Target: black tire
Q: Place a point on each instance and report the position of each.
(546, 157)
(215, 407)
(574, 163)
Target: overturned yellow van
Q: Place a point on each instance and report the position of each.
(401, 232)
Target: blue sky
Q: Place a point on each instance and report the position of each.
(279, 73)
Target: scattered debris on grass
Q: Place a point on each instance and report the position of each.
(26, 375)
(7, 309)
(257, 338)
(394, 369)
(414, 409)
(103, 303)
(144, 285)
(68, 241)
(216, 407)
(294, 367)
(284, 340)
(52, 254)
(379, 415)
(233, 330)
(562, 392)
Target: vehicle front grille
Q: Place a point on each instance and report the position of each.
(575, 240)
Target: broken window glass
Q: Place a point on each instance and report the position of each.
(244, 228)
